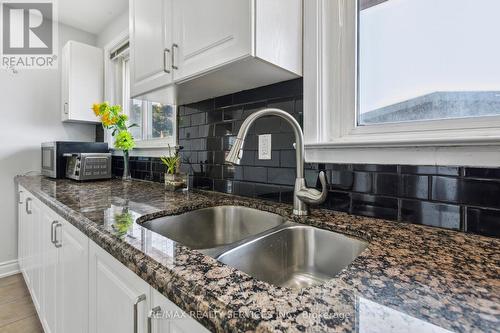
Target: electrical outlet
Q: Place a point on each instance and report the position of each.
(265, 147)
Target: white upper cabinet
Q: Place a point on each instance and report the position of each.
(150, 45)
(213, 48)
(82, 81)
(208, 34)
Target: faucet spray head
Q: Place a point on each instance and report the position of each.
(236, 152)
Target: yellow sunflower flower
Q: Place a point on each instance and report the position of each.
(95, 108)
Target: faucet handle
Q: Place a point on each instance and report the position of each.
(312, 195)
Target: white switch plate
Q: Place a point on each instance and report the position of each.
(265, 147)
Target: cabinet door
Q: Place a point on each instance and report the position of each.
(72, 278)
(82, 81)
(150, 45)
(35, 255)
(209, 34)
(171, 318)
(119, 299)
(50, 285)
(21, 217)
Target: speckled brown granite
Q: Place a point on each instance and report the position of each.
(441, 277)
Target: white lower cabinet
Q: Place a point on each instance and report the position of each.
(78, 287)
(119, 299)
(53, 257)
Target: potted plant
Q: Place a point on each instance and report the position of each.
(174, 180)
(113, 118)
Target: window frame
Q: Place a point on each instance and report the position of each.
(330, 106)
(114, 73)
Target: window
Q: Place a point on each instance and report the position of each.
(426, 60)
(156, 122)
(402, 81)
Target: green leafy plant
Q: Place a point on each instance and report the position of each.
(172, 161)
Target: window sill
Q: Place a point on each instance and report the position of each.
(475, 155)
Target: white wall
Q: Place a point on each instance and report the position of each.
(411, 48)
(30, 115)
(113, 30)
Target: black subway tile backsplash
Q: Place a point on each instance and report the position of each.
(483, 221)
(431, 213)
(452, 197)
(484, 173)
(414, 186)
(375, 206)
(484, 193)
(430, 170)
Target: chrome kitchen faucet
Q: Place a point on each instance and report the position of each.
(302, 194)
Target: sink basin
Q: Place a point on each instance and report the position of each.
(295, 256)
(215, 226)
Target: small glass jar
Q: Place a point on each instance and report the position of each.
(176, 182)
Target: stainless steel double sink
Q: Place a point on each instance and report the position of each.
(262, 244)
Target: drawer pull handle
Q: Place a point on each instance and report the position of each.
(57, 243)
(52, 233)
(139, 299)
(174, 47)
(154, 311)
(28, 210)
(166, 67)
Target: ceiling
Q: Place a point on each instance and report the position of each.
(90, 15)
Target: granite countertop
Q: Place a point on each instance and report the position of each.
(409, 278)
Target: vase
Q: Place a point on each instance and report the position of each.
(126, 166)
(177, 181)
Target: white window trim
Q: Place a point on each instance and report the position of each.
(113, 94)
(331, 135)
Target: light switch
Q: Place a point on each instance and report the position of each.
(265, 147)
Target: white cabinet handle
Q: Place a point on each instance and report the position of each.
(139, 299)
(154, 311)
(57, 243)
(166, 57)
(28, 210)
(65, 108)
(20, 201)
(174, 47)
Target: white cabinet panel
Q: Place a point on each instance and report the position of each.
(117, 295)
(34, 245)
(73, 279)
(171, 318)
(209, 34)
(21, 218)
(82, 82)
(50, 283)
(150, 45)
